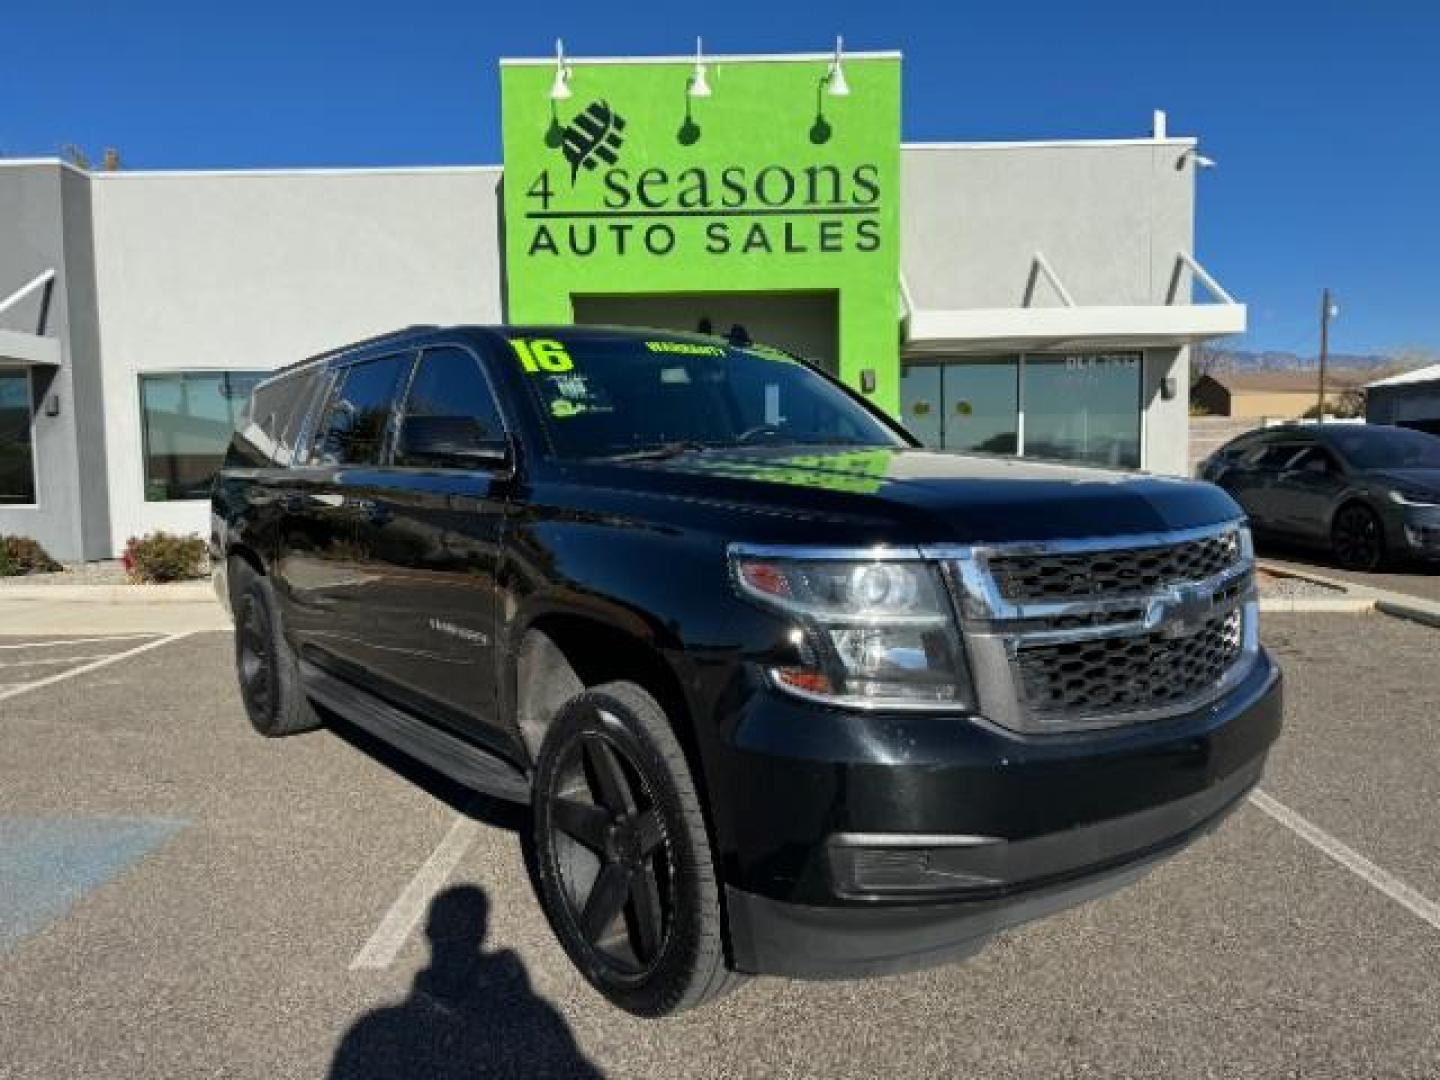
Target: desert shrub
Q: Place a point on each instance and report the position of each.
(21, 555)
(161, 556)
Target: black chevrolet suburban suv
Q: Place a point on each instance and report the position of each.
(786, 693)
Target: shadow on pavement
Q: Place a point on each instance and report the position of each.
(471, 1013)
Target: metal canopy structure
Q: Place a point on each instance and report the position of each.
(24, 349)
(1091, 326)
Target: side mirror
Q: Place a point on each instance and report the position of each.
(1319, 466)
(449, 442)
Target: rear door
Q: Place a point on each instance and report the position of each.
(321, 563)
(432, 537)
(1251, 479)
(1307, 490)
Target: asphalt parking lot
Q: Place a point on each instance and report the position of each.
(179, 897)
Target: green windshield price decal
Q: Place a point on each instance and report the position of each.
(542, 355)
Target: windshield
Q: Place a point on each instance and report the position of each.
(1388, 448)
(602, 395)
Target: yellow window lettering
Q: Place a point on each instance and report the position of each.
(542, 355)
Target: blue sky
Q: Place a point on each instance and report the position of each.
(1324, 117)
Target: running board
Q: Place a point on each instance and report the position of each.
(459, 760)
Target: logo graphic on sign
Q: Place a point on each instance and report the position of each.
(593, 137)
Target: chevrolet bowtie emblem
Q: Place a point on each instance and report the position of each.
(1181, 611)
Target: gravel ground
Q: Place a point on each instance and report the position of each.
(110, 572)
(1283, 587)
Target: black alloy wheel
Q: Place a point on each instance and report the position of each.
(265, 664)
(254, 660)
(623, 863)
(1357, 538)
(617, 867)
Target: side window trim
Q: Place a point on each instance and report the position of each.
(403, 406)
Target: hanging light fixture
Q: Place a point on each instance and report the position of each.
(835, 84)
(560, 88)
(698, 86)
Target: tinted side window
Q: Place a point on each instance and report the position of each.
(450, 409)
(1315, 459)
(1275, 456)
(358, 415)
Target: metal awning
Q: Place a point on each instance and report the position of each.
(1072, 325)
(21, 349)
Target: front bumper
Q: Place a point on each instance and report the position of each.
(1420, 530)
(937, 845)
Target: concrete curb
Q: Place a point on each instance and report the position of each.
(1397, 605)
(1291, 605)
(1423, 616)
(180, 592)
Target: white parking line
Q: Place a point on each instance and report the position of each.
(61, 660)
(390, 936)
(75, 641)
(51, 680)
(1351, 859)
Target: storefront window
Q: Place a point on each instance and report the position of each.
(1076, 408)
(1083, 408)
(188, 418)
(981, 406)
(17, 454)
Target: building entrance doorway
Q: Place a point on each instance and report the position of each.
(805, 323)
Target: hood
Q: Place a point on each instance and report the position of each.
(1426, 480)
(908, 496)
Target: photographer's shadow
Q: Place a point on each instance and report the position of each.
(471, 1013)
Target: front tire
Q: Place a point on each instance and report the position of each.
(1357, 539)
(624, 866)
(266, 665)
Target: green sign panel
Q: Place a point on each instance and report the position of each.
(771, 184)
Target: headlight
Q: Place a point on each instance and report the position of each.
(1414, 498)
(868, 634)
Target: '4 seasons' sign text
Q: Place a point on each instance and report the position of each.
(589, 200)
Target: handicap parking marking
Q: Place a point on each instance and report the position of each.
(1379, 878)
(48, 864)
(11, 691)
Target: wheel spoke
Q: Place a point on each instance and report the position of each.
(644, 915)
(607, 899)
(649, 831)
(582, 821)
(607, 779)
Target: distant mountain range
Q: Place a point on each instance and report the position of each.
(1374, 365)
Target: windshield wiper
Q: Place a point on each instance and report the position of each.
(660, 452)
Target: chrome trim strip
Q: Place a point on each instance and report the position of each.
(878, 553)
(1126, 542)
(910, 840)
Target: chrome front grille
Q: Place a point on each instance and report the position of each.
(1074, 635)
(1101, 676)
(1114, 571)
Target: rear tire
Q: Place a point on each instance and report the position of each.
(267, 668)
(1357, 539)
(625, 871)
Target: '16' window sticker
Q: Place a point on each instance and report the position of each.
(542, 355)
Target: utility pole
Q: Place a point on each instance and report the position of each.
(1327, 312)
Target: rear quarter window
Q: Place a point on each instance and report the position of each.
(273, 423)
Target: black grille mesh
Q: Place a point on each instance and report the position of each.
(1123, 674)
(1124, 572)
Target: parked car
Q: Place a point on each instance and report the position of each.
(787, 693)
(1366, 493)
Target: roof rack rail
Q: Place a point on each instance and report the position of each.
(414, 328)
